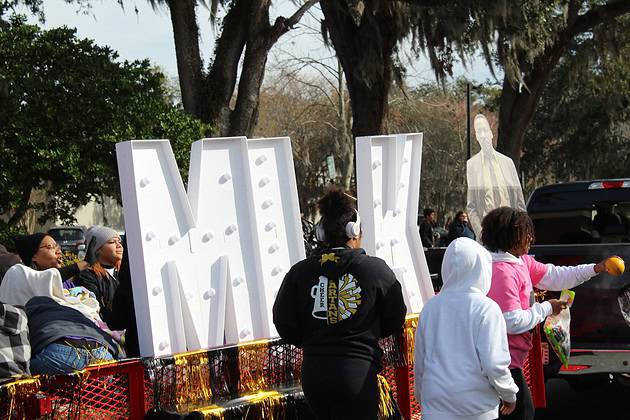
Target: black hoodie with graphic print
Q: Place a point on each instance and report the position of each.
(339, 303)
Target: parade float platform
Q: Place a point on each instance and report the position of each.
(255, 380)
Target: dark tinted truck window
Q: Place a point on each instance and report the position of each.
(581, 217)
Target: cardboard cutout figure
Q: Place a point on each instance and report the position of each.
(492, 179)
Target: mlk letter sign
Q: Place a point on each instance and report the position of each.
(388, 183)
(206, 263)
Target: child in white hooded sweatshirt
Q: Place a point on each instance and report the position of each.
(461, 353)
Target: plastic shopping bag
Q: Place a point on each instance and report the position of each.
(624, 303)
(557, 329)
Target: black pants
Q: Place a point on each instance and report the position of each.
(524, 403)
(340, 388)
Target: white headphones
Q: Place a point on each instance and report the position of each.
(353, 229)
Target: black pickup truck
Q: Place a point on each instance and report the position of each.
(580, 223)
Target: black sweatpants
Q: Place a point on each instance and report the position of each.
(340, 388)
(524, 403)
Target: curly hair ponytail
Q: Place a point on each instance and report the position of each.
(336, 209)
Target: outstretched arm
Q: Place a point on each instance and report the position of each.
(566, 277)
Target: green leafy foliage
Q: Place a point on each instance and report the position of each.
(511, 33)
(7, 233)
(580, 130)
(64, 104)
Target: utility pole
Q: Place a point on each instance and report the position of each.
(468, 120)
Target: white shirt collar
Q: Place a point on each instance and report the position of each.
(506, 257)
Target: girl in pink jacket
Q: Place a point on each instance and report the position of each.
(508, 233)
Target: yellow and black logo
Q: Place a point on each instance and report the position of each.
(328, 257)
(336, 301)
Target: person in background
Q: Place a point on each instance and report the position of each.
(105, 252)
(123, 316)
(39, 251)
(7, 260)
(426, 228)
(460, 227)
(335, 305)
(461, 352)
(508, 234)
(15, 350)
(65, 328)
(64, 340)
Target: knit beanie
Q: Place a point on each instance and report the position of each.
(95, 238)
(27, 246)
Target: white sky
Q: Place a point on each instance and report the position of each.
(148, 34)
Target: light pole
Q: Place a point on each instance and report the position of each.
(469, 155)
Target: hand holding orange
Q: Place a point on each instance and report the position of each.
(615, 266)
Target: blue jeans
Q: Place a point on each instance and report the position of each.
(56, 359)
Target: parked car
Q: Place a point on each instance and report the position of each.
(69, 238)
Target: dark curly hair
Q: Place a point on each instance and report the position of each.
(506, 229)
(336, 209)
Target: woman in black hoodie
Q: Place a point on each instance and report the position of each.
(335, 305)
(105, 252)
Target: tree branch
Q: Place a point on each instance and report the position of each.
(295, 18)
(283, 25)
(221, 79)
(597, 15)
(23, 205)
(186, 36)
(573, 11)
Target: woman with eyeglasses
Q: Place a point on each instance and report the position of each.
(39, 251)
(104, 253)
(508, 234)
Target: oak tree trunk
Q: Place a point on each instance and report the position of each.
(365, 51)
(186, 35)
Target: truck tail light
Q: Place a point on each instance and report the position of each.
(604, 185)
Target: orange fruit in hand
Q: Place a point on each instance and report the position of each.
(615, 266)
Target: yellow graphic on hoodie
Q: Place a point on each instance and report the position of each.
(349, 296)
(333, 311)
(336, 301)
(328, 257)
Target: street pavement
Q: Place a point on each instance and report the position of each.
(603, 401)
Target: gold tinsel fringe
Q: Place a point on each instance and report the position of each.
(386, 405)
(193, 379)
(409, 334)
(261, 405)
(19, 392)
(212, 412)
(251, 357)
